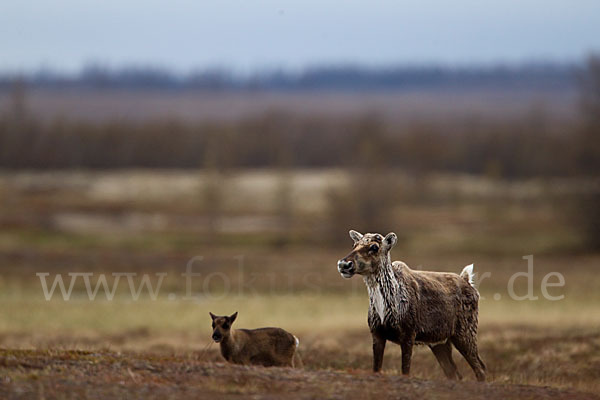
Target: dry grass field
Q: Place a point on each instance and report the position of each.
(103, 374)
(155, 222)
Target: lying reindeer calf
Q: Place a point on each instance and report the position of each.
(265, 346)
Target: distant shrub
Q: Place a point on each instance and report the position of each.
(587, 202)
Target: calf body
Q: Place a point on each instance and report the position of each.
(265, 346)
(415, 307)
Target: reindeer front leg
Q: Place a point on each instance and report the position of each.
(407, 346)
(378, 350)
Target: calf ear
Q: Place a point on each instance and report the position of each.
(232, 317)
(390, 240)
(355, 236)
(213, 316)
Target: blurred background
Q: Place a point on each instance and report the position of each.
(135, 136)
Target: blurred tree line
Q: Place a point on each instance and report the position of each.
(512, 149)
(367, 146)
(342, 77)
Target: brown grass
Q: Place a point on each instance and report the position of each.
(103, 374)
(130, 221)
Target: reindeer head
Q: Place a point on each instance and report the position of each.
(371, 251)
(221, 326)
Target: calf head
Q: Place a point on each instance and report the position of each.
(221, 325)
(371, 252)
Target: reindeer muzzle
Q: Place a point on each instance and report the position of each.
(346, 268)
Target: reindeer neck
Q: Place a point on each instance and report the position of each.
(228, 345)
(383, 275)
(386, 294)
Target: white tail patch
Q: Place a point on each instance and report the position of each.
(297, 341)
(468, 273)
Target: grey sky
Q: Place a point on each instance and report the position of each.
(252, 34)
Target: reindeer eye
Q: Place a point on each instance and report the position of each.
(374, 248)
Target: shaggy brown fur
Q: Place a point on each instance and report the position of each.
(265, 346)
(415, 307)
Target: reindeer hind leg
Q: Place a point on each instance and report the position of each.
(443, 354)
(467, 346)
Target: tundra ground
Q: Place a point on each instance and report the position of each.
(104, 374)
(535, 345)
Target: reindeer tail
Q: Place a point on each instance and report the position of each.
(468, 274)
(297, 360)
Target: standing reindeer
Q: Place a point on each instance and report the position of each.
(415, 307)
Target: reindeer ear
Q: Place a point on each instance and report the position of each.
(232, 317)
(390, 240)
(356, 236)
(213, 316)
